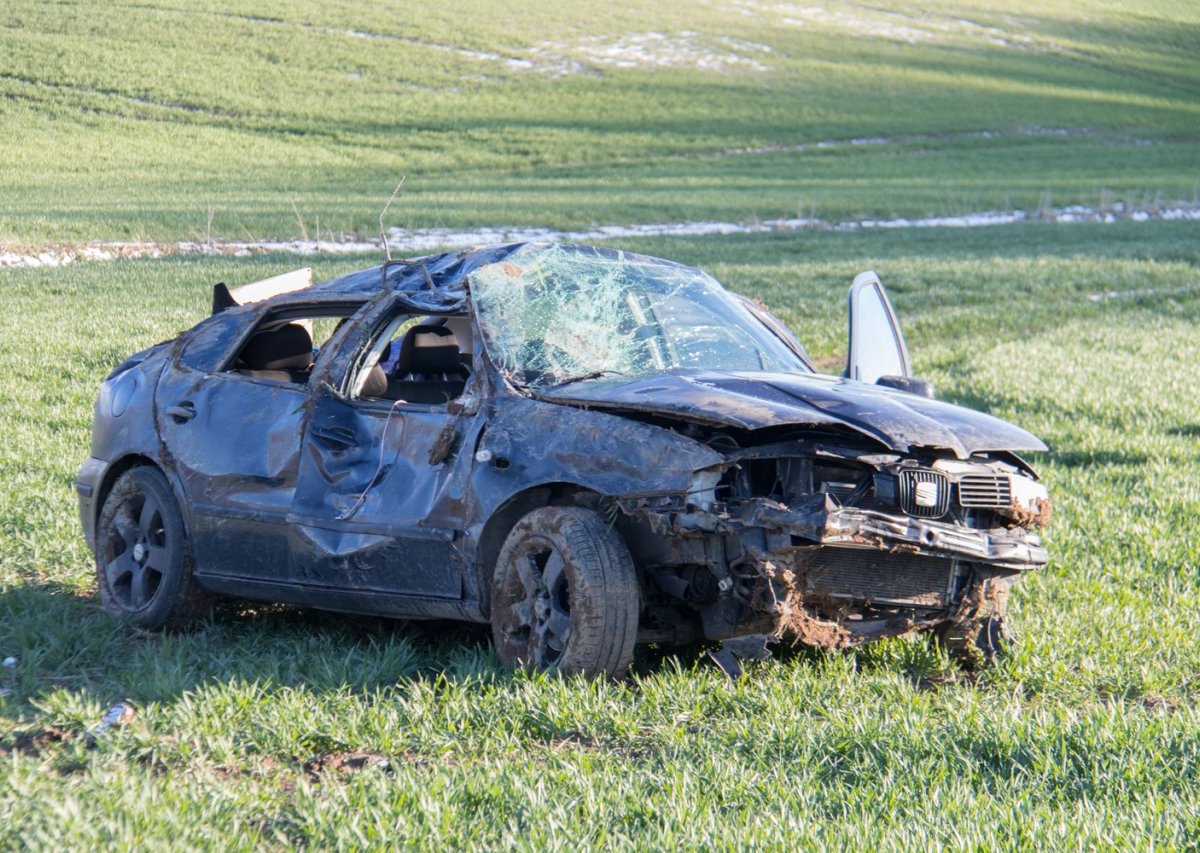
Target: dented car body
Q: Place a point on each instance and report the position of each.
(588, 448)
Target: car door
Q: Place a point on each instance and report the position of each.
(381, 493)
(876, 343)
(234, 441)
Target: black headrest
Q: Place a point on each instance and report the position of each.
(428, 349)
(287, 348)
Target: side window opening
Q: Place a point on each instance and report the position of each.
(286, 343)
(416, 359)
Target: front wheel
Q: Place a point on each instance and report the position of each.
(565, 595)
(143, 558)
(979, 635)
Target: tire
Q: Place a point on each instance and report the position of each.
(978, 643)
(143, 555)
(565, 595)
(980, 636)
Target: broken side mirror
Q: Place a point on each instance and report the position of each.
(920, 387)
(876, 342)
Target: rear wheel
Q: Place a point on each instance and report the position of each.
(143, 558)
(565, 595)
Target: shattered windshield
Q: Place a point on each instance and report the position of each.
(556, 314)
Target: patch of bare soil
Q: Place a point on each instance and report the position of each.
(574, 741)
(1161, 705)
(34, 743)
(344, 764)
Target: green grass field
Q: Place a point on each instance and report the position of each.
(1088, 735)
(168, 121)
(270, 727)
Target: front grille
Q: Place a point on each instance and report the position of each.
(874, 576)
(986, 490)
(924, 493)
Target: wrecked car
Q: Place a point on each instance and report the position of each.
(588, 448)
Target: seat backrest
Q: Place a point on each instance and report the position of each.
(277, 353)
(428, 352)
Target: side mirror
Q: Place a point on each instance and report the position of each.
(876, 342)
(920, 387)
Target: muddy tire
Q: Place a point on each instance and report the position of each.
(977, 635)
(565, 595)
(143, 556)
(977, 643)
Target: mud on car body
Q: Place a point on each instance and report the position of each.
(587, 448)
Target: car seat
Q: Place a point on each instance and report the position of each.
(428, 368)
(284, 354)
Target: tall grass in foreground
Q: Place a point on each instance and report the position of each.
(275, 727)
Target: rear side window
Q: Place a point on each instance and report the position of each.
(286, 343)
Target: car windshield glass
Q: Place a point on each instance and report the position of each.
(554, 314)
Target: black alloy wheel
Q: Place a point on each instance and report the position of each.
(143, 561)
(565, 596)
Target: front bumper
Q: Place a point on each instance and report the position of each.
(829, 523)
(831, 575)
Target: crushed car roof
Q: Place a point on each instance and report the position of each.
(436, 282)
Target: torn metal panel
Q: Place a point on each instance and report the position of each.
(527, 443)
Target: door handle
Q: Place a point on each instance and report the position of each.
(185, 411)
(339, 436)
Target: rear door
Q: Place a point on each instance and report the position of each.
(234, 436)
(234, 441)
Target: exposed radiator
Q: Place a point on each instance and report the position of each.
(868, 575)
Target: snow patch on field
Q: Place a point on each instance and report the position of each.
(1144, 293)
(881, 24)
(650, 50)
(417, 241)
(686, 49)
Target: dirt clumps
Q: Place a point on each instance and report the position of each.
(344, 764)
(34, 743)
(1036, 516)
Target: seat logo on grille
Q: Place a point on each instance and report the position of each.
(924, 493)
(927, 494)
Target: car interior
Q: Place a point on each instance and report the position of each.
(424, 360)
(283, 354)
(419, 360)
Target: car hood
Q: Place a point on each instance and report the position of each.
(897, 419)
